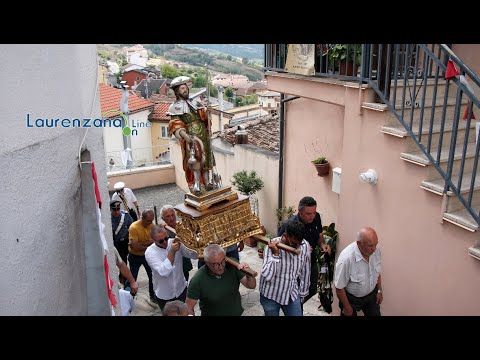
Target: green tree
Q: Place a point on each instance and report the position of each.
(213, 91)
(247, 183)
(245, 61)
(229, 92)
(229, 57)
(121, 60)
(199, 81)
(169, 71)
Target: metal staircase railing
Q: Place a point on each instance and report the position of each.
(392, 69)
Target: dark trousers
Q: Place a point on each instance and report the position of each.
(313, 289)
(162, 302)
(135, 262)
(231, 254)
(367, 304)
(122, 248)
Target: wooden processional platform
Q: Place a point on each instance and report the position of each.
(220, 217)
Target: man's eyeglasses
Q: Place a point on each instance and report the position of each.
(218, 265)
(161, 241)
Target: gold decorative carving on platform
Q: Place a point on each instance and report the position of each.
(225, 224)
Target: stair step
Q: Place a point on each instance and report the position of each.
(419, 158)
(436, 186)
(374, 106)
(463, 219)
(400, 131)
(474, 252)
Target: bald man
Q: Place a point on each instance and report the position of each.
(358, 282)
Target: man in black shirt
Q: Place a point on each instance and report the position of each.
(308, 215)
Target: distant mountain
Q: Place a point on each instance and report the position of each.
(249, 51)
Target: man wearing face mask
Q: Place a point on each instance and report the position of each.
(358, 281)
(164, 257)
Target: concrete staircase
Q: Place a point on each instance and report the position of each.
(452, 210)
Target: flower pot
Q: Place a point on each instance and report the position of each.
(322, 169)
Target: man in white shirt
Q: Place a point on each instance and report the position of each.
(165, 260)
(358, 281)
(127, 199)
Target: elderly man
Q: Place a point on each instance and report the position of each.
(175, 308)
(358, 281)
(216, 285)
(170, 218)
(127, 198)
(285, 277)
(139, 241)
(312, 232)
(164, 257)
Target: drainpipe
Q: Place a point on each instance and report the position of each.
(282, 145)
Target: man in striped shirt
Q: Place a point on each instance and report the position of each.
(285, 277)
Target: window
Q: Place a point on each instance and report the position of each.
(164, 132)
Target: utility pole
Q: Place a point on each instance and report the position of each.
(127, 145)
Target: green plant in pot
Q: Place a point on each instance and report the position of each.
(322, 165)
(345, 58)
(248, 184)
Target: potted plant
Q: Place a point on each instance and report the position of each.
(322, 165)
(345, 58)
(248, 184)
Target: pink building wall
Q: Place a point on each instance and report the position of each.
(425, 266)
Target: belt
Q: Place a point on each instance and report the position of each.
(374, 291)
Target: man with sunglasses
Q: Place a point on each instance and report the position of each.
(285, 277)
(164, 257)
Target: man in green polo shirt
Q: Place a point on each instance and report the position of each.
(216, 285)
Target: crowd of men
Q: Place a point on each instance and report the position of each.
(286, 281)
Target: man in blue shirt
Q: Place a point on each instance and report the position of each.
(121, 221)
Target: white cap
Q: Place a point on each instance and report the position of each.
(179, 80)
(119, 185)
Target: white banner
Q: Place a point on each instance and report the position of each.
(301, 59)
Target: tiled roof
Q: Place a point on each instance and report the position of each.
(263, 133)
(268, 93)
(110, 101)
(160, 111)
(153, 86)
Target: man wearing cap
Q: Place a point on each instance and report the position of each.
(127, 199)
(190, 124)
(121, 221)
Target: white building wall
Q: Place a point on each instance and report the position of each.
(142, 141)
(43, 266)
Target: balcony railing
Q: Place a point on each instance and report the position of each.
(141, 157)
(410, 80)
(342, 61)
